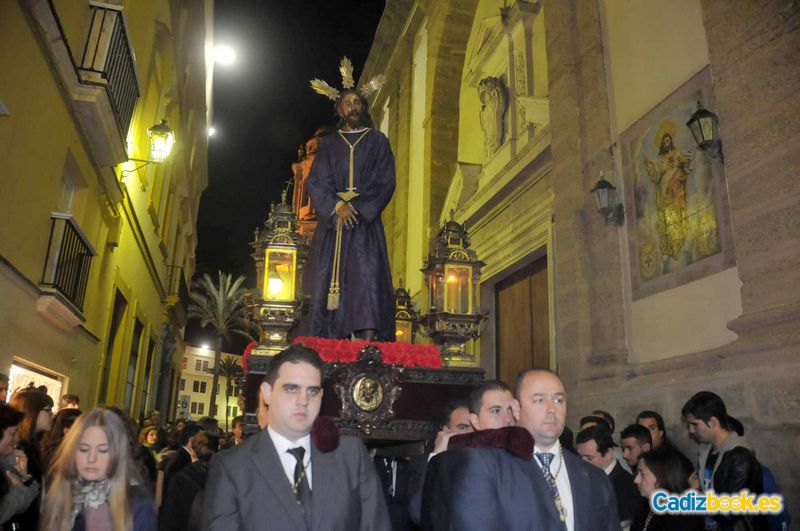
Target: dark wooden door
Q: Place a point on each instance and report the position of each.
(523, 321)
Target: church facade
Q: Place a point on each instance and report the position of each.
(508, 113)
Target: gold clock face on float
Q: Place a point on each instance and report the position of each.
(367, 393)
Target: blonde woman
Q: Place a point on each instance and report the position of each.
(95, 484)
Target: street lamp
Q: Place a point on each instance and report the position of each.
(452, 271)
(161, 141)
(704, 126)
(608, 203)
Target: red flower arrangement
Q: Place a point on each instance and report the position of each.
(246, 354)
(346, 351)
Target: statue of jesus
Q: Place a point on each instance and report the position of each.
(351, 182)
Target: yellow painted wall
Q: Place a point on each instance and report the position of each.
(653, 48)
(39, 143)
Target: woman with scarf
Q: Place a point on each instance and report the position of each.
(95, 485)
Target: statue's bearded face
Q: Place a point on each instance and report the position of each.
(351, 109)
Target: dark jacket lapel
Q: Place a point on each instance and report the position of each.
(325, 482)
(266, 460)
(579, 485)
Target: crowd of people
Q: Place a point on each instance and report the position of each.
(504, 459)
(99, 469)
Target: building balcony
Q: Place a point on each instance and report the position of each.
(66, 273)
(100, 81)
(108, 62)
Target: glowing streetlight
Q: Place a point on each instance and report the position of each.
(224, 54)
(211, 131)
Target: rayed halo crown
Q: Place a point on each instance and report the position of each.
(346, 69)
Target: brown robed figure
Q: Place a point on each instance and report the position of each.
(351, 182)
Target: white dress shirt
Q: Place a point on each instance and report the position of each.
(559, 470)
(283, 445)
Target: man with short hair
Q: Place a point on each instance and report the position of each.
(492, 406)
(636, 440)
(183, 457)
(655, 423)
(284, 478)
(726, 461)
(182, 510)
(590, 421)
(554, 490)
(238, 430)
(455, 422)
(596, 446)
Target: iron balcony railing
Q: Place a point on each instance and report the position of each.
(108, 59)
(69, 256)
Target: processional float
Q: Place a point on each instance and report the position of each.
(379, 391)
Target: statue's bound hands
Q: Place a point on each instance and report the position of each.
(347, 215)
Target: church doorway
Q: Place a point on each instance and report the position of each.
(523, 321)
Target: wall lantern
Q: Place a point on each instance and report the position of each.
(704, 126)
(452, 271)
(405, 316)
(608, 203)
(162, 138)
(279, 254)
(161, 141)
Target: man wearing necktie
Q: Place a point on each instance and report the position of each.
(281, 478)
(554, 490)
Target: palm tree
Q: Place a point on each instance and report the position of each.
(220, 306)
(231, 370)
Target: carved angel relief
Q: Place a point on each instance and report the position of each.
(493, 109)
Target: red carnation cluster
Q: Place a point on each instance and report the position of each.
(345, 351)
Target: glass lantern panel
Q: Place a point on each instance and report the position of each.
(279, 279)
(436, 290)
(458, 295)
(707, 128)
(403, 331)
(602, 196)
(161, 145)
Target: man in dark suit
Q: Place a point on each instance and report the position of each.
(455, 422)
(183, 456)
(282, 478)
(555, 490)
(596, 447)
(491, 406)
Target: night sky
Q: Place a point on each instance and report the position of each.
(263, 109)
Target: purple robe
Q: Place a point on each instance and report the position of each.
(366, 300)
